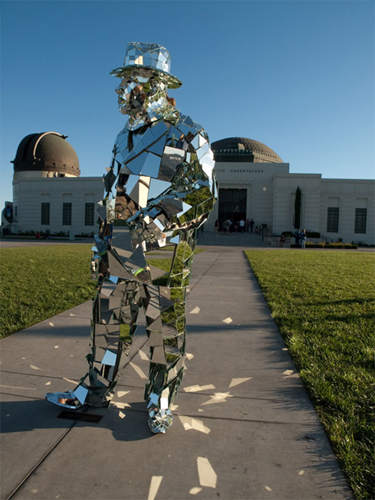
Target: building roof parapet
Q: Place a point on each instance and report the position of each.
(343, 181)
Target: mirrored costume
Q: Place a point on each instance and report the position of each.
(159, 190)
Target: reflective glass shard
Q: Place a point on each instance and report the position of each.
(159, 224)
(131, 182)
(109, 358)
(139, 193)
(139, 146)
(125, 170)
(138, 258)
(185, 130)
(110, 210)
(137, 164)
(171, 160)
(151, 165)
(101, 211)
(195, 142)
(155, 339)
(116, 268)
(122, 145)
(101, 341)
(159, 129)
(203, 150)
(188, 121)
(185, 208)
(157, 188)
(109, 179)
(81, 393)
(201, 140)
(175, 239)
(120, 157)
(164, 402)
(153, 213)
(158, 147)
(157, 355)
(171, 206)
(122, 136)
(155, 325)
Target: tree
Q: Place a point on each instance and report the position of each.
(297, 209)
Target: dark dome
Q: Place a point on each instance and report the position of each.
(240, 149)
(47, 151)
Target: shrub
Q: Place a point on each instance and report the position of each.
(309, 234)
(337, 246)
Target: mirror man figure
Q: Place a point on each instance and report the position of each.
(159, 190)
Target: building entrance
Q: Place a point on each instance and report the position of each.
(232, 205)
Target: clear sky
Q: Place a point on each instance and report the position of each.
(295, 75)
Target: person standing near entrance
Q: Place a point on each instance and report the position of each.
(296, 237)
(161, 183)
(251, 225)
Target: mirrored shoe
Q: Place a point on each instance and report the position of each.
(160, 421)
(66, 399)
(71, 399)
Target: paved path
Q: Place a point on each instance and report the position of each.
(244, 427)
(231, 239)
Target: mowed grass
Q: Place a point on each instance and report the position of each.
(39, 282)
(324, 305)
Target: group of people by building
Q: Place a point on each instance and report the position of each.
(238, 226)
(300, 238)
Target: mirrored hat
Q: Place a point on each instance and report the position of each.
(150, 56)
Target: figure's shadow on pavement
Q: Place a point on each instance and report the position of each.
(24, 416)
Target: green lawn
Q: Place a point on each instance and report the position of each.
(324, 305)
(39, 282)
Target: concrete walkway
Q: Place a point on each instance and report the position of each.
(210, 238)
(244, 427)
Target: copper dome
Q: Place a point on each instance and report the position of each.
(47, 151)
(240, 149)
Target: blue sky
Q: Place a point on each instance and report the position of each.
(295, 75)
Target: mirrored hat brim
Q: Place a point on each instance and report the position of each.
(173, 82)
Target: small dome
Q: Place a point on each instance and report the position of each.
(240, 149)
(47, 151)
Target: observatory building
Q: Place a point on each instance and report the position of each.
(254, 183)
(48, 192)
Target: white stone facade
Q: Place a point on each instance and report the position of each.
(270, 194)
(75, 192)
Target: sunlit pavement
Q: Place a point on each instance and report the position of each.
(244, 427)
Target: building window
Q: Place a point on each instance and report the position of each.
(67, 214)
(333, 220)
(360, 220)
(89, 214)
(45, 214)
